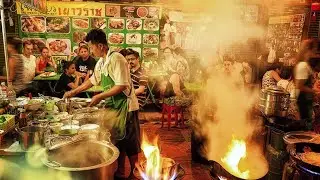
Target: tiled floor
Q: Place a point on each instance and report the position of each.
(174, 143)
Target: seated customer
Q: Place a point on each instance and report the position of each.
(174, 85)
(29, 62)
(85, 63)
(44, 61)
(67, 81)
(75, 54)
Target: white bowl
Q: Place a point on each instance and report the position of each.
(90, 127)
(76, 127)
(74, 122)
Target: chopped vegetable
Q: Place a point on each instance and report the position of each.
(2, 119)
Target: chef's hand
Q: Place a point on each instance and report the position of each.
(95, 100)
(69, 94)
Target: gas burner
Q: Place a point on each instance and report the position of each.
(217, 172)
(174, 170)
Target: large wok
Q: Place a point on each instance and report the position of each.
(100, 162)
(297, 148)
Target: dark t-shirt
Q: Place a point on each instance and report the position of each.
(62, 84)
(139, 78)
(85, 66)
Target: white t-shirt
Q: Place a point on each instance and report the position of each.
(302, 72)
(116, 66)
(29, 68)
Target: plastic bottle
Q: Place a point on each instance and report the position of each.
(11, 94)
(3, 90)
(22, 118)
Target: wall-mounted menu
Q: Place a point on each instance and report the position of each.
(284, 34)
(135, 27)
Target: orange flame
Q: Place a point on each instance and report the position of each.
(236, 151)
(156, 166)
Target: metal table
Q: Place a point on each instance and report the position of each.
(50, 80)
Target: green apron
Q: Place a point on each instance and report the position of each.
(119, 103)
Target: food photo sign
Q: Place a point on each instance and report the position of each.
(38, 5)
(67, 23)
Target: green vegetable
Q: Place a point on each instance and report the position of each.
(2, 119)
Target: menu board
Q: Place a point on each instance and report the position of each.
(285, 33)
(132, 11)
(62, 34)
(38, 5)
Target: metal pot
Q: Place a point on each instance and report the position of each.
(86, 165)
(295, 152)
(31, 135)
(64, 105)
(274, 102)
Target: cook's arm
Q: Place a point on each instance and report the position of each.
(275, 76)
(84, 86)
(140, 90)
(87, 76)
(116, 89)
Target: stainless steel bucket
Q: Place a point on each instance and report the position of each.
(274, 102)
(31, 135)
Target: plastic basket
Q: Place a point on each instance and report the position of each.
(9, 123)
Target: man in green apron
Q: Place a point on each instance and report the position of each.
(112, 73)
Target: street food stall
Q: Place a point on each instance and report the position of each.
(237, 132)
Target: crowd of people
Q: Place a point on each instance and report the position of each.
(301, 81)
(125, 81)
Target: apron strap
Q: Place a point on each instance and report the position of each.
(131, 84)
